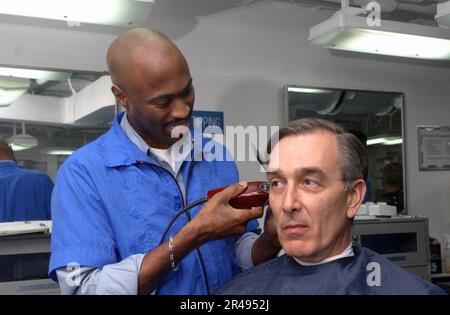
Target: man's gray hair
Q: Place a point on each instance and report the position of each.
(352, 156)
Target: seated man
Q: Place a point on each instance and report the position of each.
(316, 173)
(24, 194)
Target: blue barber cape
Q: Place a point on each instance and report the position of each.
(349, 275)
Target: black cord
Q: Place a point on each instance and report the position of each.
(205, 275)
(163, 237)
(192, 205)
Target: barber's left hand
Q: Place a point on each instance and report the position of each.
(270, 231)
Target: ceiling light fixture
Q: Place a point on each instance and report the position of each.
(352, 33)
(393, 141)
(58, 151)
(385, 140)
(34, 74)
(105, 12)
(308, 90)
(11, 89)
(21, 141)
(376, 140)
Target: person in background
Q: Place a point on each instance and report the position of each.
(115, 197)
(392, 182)
(316, 179)
(363, 138)
(24, 194)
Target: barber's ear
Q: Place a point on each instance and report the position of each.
(355, 197)
(120, 95)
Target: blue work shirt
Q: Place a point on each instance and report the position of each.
(24, 194)
(111, 201)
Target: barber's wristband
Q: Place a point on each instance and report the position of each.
(172, 259)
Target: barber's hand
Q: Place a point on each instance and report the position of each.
(217, 219)
(267, 246)
(270, 231)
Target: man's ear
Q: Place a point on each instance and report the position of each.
(355, 197)
(120, 95)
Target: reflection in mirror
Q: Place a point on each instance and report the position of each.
(45, 115)
(375, 118)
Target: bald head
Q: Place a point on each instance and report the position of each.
(138, 45)
(6, 153)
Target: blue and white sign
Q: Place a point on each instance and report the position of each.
(207, 122)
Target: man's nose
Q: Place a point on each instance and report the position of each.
(290, 199)
(180, 109)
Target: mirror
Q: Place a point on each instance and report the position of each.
(376, 115)
(46, 114)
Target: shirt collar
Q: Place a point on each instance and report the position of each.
(348, 252)
(133, 135)
(163, 157)
(8, 163)
(119, 150)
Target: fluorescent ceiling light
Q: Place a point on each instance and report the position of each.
(394, 141)
(443, 14)
(21, 141)
(307, 90)
(385, 140)
(11, 89)
(9, 96)
(376, 140)
(34, 74)
(106, 12)
(58, 151)
(352, 33)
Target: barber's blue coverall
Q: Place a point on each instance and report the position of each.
(111, 200)
(24, 194)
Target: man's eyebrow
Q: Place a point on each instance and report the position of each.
(274, 173)
(310, 171)
(172, 95)
(300, 172)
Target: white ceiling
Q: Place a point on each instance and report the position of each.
(179, 17)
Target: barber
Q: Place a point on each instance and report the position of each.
(115, 196)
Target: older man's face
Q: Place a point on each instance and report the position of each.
(310, 204)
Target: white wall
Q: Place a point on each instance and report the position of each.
(241, 58)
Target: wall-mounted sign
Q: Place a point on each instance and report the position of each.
(434, 147)
(207, 122)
